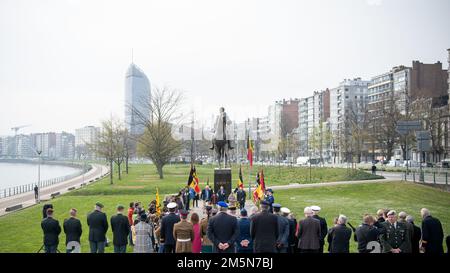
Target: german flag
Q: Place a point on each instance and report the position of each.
(249, 149)
(193, 180)
(240, 181)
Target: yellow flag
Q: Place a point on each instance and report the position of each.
(158, 204)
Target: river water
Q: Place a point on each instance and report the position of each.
(16, 174)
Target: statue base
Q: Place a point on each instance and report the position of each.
(222, 177)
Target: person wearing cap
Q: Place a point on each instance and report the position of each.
(51, 229)
(283, 230)
(244, 243)
(207, 245)
(144, 233)
(394, 239)
(183, 233)
(120, 227)
(223, 230)
(72, 229)
(98, 226)
(270, 199)
(232, 210)
(167, 224)
(285, 212)
(323, 226)
(309, 233)
(264, 230)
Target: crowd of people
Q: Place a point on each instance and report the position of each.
(227, 227)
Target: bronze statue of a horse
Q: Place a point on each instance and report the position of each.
(221, 148)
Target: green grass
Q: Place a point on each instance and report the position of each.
(358, 199)
(143, 178)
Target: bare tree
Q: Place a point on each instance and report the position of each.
(157, 142)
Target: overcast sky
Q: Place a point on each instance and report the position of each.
(63, 63)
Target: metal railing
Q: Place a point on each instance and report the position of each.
(11, 191)
(437, 176)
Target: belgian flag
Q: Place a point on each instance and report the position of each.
(249, 149)
(193, 180)
(158, 203)
(258, 193)
(240, 181)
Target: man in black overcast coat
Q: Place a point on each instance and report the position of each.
(120, 227)
(51, 229)
(432, 233)
(264, 230)
(223, 230)
(72, 229)
(98, 225)
(323, 226)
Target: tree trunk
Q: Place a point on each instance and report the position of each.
(118, 168)
(159, 168)
(126, 164)
(111, 172)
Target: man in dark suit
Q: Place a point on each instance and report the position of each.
(339, 236)
(221, 195)
(323, 226)
(167, 224)
(98, 225)
(51, 229)
(206, 194)
(120, 227)
(223, 230)
(283, 230)
(240, 196)
(309, 233)
(432, 233)
(367, 232)
(264, 230)
(292, 239)
(417, 234)
(73, 231)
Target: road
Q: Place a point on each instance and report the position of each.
(27, 199)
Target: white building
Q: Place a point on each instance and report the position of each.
(137, 99)
(65, 145)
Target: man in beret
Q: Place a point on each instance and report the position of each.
(167, 224)
(223, 230)
(98, 225)
(183, 233)
(120, 228)
(264, 230)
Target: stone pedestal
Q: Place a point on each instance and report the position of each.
(222, 177)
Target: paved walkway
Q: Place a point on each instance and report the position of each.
(27, 199)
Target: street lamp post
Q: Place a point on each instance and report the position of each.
(39, 177)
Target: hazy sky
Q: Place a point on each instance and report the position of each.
(63, 63)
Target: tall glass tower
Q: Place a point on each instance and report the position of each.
(137, 96)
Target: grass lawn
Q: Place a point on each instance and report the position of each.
(356, 200)
(143, 178)
(21, 231)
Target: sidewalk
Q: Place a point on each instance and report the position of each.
(27, 199)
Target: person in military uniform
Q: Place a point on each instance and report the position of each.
(72, 229)
(206, 243)
(121, 229)
(394, 239)
(98, 225)
(283, 230)
(270, 199)
(51, 229)
(183, 233)
(323, 226)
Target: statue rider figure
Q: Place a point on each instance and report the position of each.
(220, 129)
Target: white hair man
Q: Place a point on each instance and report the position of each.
(309, 233)
(432, 233)
(339, 236)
